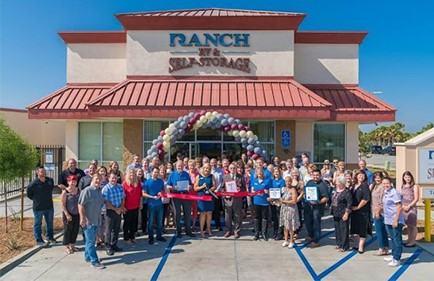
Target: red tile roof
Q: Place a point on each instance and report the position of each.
(352, 103)
(211, 19)
(67, 103)
(242, 99)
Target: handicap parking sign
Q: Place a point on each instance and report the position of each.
(286, 138)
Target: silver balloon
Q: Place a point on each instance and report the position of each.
(214, 119)
(250, 147)
(183, 124)
(174, 131)
(237, 121)
(231, 120)
(160, 138)
(154, 142)
(224, 122)
(180, 119)
(220, 116)
(191, 114)
(181, 132)
(218, 125)
(226, 115)
(243, 140)
(244, 145)
(257, 150)
(237, 139)
(186, 118)
(251, 141)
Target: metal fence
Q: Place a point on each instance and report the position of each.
(51, 157)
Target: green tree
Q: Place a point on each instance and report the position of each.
(425, 128)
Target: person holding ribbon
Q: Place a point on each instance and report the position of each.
(204, 186)
(193, 173)
(235, 183)
(179, 183)
(261, 185)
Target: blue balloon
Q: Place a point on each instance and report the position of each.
(231, 120)
(251, 141)
(237, 121)
(154, 142)
(244, 145)
(218, 124)
(191, 114)
(226, 115)
(250, 147)
(257, 150)
(181, 132)
(237, 139)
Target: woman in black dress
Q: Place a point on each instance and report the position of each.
(342, 201)
(361, 211)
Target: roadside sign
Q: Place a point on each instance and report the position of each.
(426, 165)
(428, 193)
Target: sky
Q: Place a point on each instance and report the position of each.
(396, 58)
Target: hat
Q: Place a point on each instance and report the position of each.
(72, 178)
(326, 162)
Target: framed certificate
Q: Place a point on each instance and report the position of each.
(231, 186)
(182, 185)
(275, 193)
(311, 193)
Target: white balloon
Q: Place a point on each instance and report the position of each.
(166, 137)
(202, 119)
(215, 113)
(249, 134)
(171, 125)
(235, 133)
(167, 131)
(257, 150)
(208, 115)
(230, 133)
(255, 137)
(242, 133)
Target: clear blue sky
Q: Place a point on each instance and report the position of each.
(396, 58)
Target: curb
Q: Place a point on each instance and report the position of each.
(428, 247)
(15, 261)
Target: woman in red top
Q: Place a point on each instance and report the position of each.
(193, 173)
(133, 196)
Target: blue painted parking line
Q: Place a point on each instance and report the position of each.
(306, 263)
(164, 259)
(343, 260)
(406, 265)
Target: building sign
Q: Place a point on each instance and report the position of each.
(286, 138)
(49, 157)
(208, 52)
(426, 165)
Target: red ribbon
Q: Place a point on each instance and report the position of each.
(209, 197)
(240, 194)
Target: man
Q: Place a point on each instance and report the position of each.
(369, 174)
(155, 163)
(314, 210)
(151, 191)
(94, 162)
(234, 205)
(89, 208)
(218, 205)
(146, 168)
(295, 162)
(136, 163)
(179, 176)
(40, 191)
(87, 179)
(334, 167)
(179, 156)
(305, 161)
(289, 166)
(205, 160)
(71, 170)
(276, 161)
(225, 166)
(260, 165)
(185, 163)
(114, 200)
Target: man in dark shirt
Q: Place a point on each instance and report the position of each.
(87, 179)
(71, 170)
(314, 210)
(40, 191)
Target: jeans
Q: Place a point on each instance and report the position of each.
(37, 226)
(395, 233)
(312, 220)
(155, 211)
(380, 231)
(90, 255)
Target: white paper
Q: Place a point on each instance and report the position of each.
(231, 186)
(275, 193)
(182, 185)
(311, 193)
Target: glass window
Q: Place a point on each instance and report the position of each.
(112, 141)
(89, 134)
(209, 134)
(152, 129)
(328, 141)
(263, 129)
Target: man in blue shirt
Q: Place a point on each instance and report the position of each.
(136, 163)
(151, 191)
(114, 200)
(260, 163)
(369, 174)
(179, 182)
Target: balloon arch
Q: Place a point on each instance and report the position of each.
(214, 120)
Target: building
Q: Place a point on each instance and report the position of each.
(296, 90)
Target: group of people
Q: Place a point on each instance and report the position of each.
(280, 195)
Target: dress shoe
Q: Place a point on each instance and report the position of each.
(109, 252)
(191, 235)
(151, 241)
(314, 245)
(161, 239)
(116, 248)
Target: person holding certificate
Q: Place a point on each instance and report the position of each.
(179, 182)
(204, 185)
(289, 212)
(275, 194)
(315, 196)
(260, 183)
(233, 205)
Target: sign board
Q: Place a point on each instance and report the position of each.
(286, 138)
(49, 157)
(428, 193)
(49, 167)
(426, 165)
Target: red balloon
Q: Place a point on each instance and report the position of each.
(162, 133)
(189, 126)
(161, 157)
(227, 128)
(196, 115)
(255, 156)
(250, 153)
(234, 126)
(192, 120)
(161, 152)
(160, 145)
(240, 127)
(202, 112)
(246, 128)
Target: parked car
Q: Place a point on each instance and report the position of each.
(391, 150)
(376, 149)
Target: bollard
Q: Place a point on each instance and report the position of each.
(427, 220)
(387, 165)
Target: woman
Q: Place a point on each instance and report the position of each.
(259, 183)
(114, 168)
(360, 215)
(277, 182)
(340, 171)
(326, 172)
(299, 187)
(342, 201)
(144, 210)
(377, 193)
(193, 173)
(348, 174)
(410, 196)
(102, 171)
(204, 183)
(166, 201)
(71, 218)
(250, 206)
(394, 220)
(169, 168)
(289, 215)
(133, 195)
(310, 169)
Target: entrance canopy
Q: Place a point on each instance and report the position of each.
(241, 98)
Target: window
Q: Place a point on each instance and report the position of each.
(328, 141)
(99, 140)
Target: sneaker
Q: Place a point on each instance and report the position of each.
(394, 263)
(110, 252)
(388, 259)
(41, 243)
(285, 244)
(291, 245)
(161, 239)
(98, 265)
(52, 241)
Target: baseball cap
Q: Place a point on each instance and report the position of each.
(72, 178)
